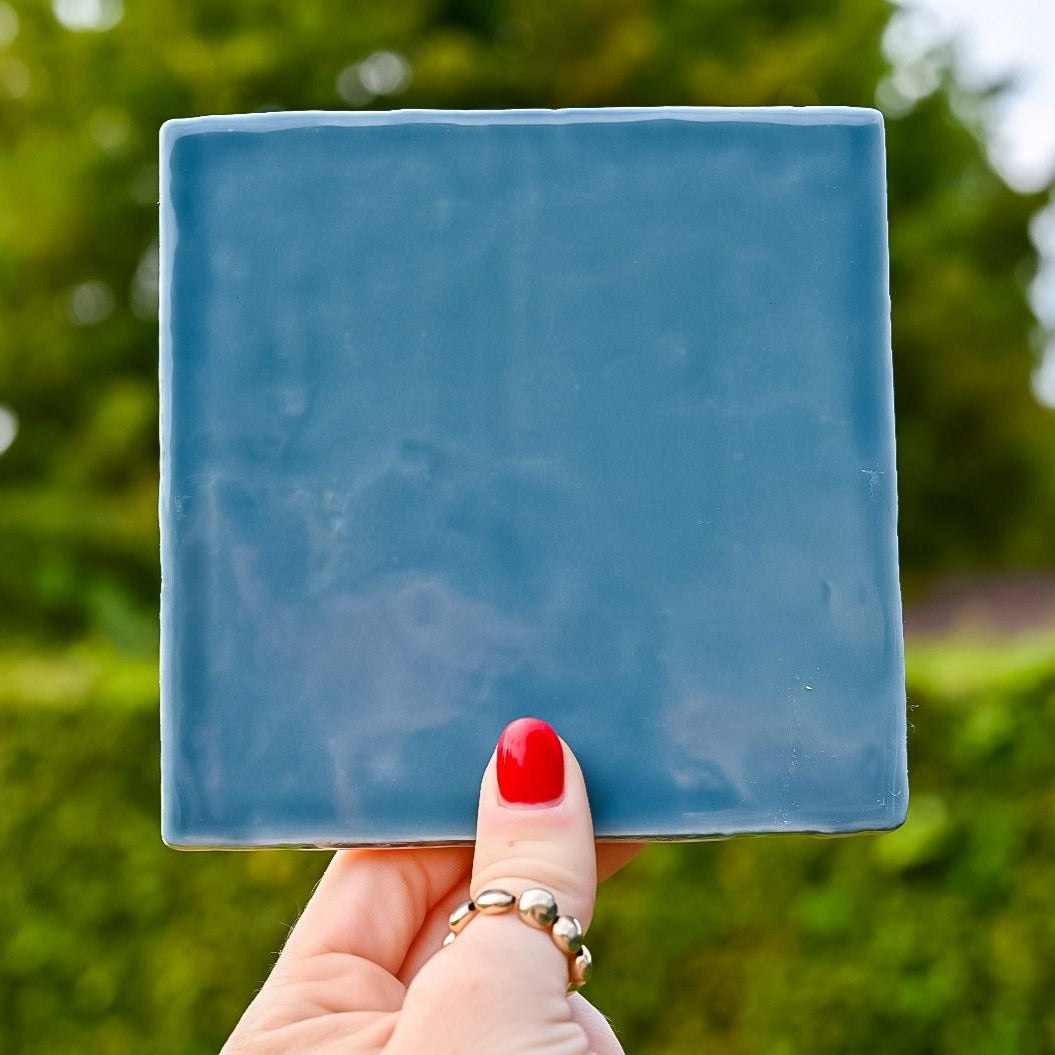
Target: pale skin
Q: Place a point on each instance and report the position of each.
(364, 971)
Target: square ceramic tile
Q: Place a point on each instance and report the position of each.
(585, 415)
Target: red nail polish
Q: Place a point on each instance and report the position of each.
(530, 763)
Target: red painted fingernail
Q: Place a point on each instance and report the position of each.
(530, 763)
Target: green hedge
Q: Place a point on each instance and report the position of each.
(939, 938)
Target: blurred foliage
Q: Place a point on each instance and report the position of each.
(78, 258)
(938, 939)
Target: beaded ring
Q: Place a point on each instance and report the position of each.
(538, 909)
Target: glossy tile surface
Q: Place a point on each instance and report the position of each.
(578, 414)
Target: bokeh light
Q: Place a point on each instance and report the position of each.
(8, 427)
(89, 303)
(88, 15)
(8, 24)
(382, 73)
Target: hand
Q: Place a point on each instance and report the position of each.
(364, 971)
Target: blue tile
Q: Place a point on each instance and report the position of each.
(578, 414)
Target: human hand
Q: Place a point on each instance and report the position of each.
(364, 971)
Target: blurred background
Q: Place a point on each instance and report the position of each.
(939, 938)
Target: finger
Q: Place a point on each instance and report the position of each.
(533, 830)
(340, 960)
(610, 858)
(433, 931)
(372, 903)
(600, 1036)
(534, 827)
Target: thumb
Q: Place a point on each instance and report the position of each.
(533, 831)
(534, 827)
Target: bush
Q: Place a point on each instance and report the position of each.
(937, 938)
